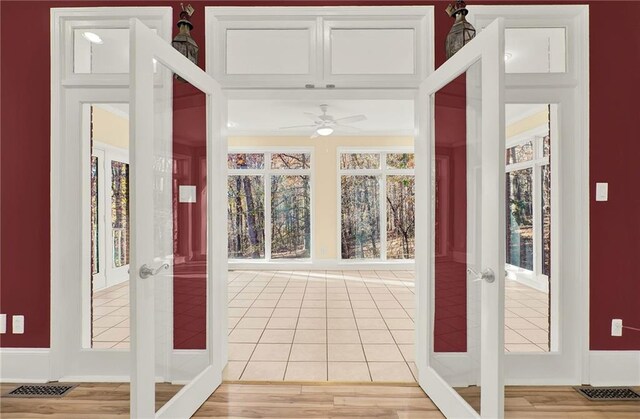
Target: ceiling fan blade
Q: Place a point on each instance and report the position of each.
(347, 128)
(351, 119)
(312, 116)
(298, 126)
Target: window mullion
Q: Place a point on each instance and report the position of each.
(267, 208)
(383, 207)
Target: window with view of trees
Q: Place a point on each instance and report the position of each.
(269, 205)
(528, 193)
(377, 204)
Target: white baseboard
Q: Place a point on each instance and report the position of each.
(614, 368)
(25, 365)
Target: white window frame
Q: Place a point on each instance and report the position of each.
(382, 172)
(534, 278)
(267, 172)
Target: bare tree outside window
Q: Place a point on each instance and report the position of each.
(288, 179)
(377, 192)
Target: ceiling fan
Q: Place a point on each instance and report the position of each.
(326, 124)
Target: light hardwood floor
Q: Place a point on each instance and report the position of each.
(288, 400)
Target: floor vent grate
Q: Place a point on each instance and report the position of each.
(41, 390)
(608, 393)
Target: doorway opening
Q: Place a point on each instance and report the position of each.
(321, 240)
(108, 133)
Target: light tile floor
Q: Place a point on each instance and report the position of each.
(321, 325)
(111, 317)
(325, 325)
(526, 320)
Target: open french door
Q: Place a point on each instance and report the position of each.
(460, 318)
(153, 62)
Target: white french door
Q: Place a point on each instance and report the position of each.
(152, 62)
(460, 319)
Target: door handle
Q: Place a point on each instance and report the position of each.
(486, 274)
(146, 272)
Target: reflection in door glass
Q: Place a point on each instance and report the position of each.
(528, 227)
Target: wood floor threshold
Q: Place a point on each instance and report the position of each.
(325, 383)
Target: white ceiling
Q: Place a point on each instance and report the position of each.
(385, 117)
(266, 117)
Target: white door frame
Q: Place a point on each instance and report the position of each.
(568, 363)
(488, 49)
(70, 357)
(145, 47)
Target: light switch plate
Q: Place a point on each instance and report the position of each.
(18, 325)
(187, 194)
(602, 191)
(3, 323)
(616, 327)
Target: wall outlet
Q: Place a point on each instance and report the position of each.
(3, 323)
(18, 325)
(616, 327)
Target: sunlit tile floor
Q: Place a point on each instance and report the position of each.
(326, 325)
(321, 325)
(111, 317)
(526, 319)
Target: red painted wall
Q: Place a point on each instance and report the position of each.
(25, 136)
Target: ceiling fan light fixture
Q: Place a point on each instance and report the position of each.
(324, 131)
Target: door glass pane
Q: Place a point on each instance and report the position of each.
(109, 312)
(400, 217)
(360, 217)
(456, 298)
(246, 217)
(290, 217)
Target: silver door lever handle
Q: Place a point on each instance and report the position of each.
(146, 272)
(486, 274)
